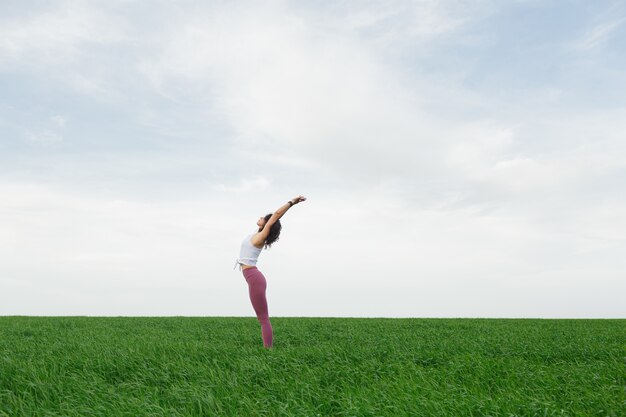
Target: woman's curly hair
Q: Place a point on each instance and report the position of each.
(274, 231)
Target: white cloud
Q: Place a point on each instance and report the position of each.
(59, 121)
(57, 35)
(245, 185)
(285, 84)
(43, 138)
(401, 22)
(475, 148)
(599, 34)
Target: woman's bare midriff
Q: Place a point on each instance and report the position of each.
(246, 266)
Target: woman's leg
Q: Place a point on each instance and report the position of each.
(256, 289)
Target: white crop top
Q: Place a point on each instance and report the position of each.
(248, 254)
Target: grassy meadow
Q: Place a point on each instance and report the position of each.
(216, 366)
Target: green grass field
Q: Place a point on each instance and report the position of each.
(82, 366)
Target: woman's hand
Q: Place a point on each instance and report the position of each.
(298, 199)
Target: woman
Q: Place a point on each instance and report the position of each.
(269, 230)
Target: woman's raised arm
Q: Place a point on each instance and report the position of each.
(278, 214)
(283, 209)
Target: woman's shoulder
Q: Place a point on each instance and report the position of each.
(256, 240)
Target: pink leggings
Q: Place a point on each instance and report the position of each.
(256, 289)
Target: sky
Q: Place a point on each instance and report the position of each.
(459, 158)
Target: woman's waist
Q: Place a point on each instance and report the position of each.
(244, 267)
(244, 263)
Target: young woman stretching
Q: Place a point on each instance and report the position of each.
(269, 230)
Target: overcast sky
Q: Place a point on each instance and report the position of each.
(460, 158)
